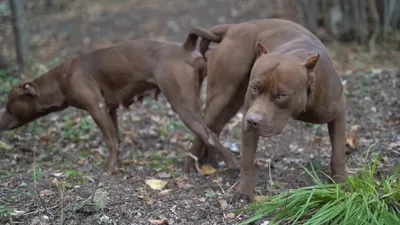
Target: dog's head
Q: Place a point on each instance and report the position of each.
(279, 89)
(21, 106)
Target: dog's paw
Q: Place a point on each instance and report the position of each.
(110, 167)
(189, 167)
(241, 198)
(243, 194)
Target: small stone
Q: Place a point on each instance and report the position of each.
(86, 40)
(234, 13)
(221, 19)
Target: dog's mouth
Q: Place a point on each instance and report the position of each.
(9, 122)
(262, 131)
(269, 133)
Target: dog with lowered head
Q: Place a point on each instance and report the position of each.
(102, 80)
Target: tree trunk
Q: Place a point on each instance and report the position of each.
(3, 63)
(325, 14)
(377, 26)
(389, 7)
(19, 29)
(48, 5)
(363, 22)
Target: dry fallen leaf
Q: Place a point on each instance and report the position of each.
(51, 130)
(207, 169)
(127, 161)
(147, 198)
(351, 142)
(161, 222)
(164, 175)
(46, 192)
(223, 204)
(180, 136)
(318, 140)
(82, 161)
(258, 198)
(5, 146)
(217, 181)
(45, 139)
(57, 183)
(57, 175)
(355, 127)
(230, 215)
(165, 192)
(181, 182)
(395, 144)
(156, 184)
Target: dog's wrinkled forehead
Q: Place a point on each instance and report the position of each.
(264, 74)
(270, 74)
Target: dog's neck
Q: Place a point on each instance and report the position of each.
(51, 98)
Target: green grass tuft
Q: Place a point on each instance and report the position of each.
(365, 198)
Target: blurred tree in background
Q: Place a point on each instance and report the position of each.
(366, 22)
(19, 28)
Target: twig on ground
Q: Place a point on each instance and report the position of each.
(271, 182)
(39, 210)
(36, 190)
(230, 189)
(317, 132)
(196, 162)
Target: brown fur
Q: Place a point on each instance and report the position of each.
(102, 80)
(278, 71)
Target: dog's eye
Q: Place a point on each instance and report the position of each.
(281, 96)
(253, 89)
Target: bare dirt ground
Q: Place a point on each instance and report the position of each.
(66, 148)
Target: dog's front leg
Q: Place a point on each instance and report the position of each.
(249, 141)
(99, 112)
(337, 130)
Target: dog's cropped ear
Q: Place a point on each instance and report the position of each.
(311, 61)
(261, 49)
(30, 88)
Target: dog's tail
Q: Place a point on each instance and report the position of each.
(190, 45)
(219, 31)
(191, 40)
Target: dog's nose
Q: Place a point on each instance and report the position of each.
(253, 119)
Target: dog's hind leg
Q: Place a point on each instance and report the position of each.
(182, 92)
(226, 86)
(226, 114)
(114, 118)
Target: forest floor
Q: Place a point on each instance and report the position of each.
(65, 149)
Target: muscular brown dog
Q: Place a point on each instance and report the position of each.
(278, 71)
(102, 80)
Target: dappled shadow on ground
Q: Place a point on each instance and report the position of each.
(66, 148)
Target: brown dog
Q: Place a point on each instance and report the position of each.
(280, 71)
(102, 80)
